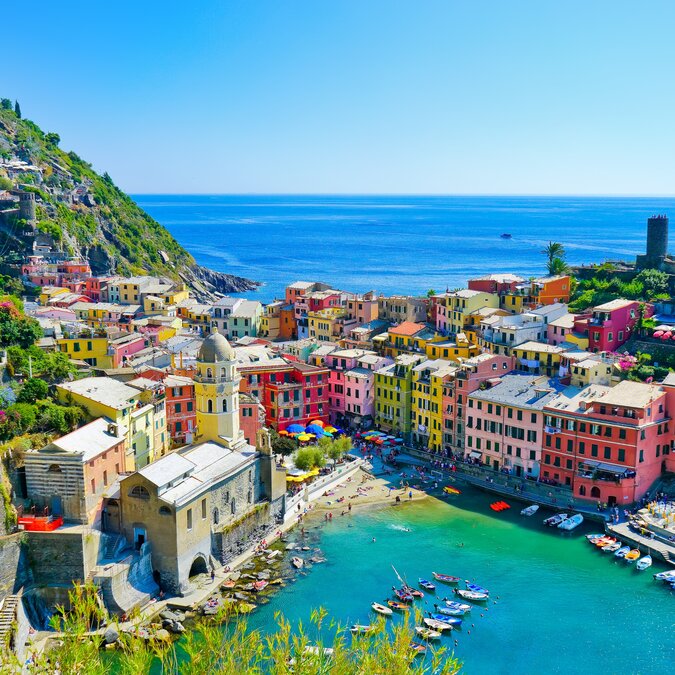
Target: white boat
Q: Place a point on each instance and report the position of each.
(570, 523)
(644, 563)
(360, 628)
(297, 562)
(612, 548)
(427, 633)
(453, 604)
(621, 553)
(552, 521)
(471, 595)
(435, 624)
(381, 609)
(595, 536)
(318, 651)
(665, 576)
(450, 611)
(530, 510)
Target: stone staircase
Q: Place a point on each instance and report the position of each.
(7, 616)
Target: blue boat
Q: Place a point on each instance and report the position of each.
(452, 620)
(461, 606)
(476, 588)
(427, 584)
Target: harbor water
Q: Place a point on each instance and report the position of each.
(557, 604)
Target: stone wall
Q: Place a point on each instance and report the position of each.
(234, 538)
(14, 568)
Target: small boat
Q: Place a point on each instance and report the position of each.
(418, 648)
(453, 604)
(449, 612)
(427, 633)
(360, 628)
(318, 651)
(273, 555)
(426, 584)
(381, 609)
(446, 578)
(605, 541)
(621, 553)
(476, 588)
(558, 518)
(595, 536)
(570, 523)
(260, 585)
(499, 506)
(435, 624)
(402, 595)
(612, 548)
(449, 490)
(632, 555)
(530, 510)
(506, 235)
(400, 606)
(416, 593)
(665, 576)
(297, 562)
(452, 620)
(471, 595)
(644, 563)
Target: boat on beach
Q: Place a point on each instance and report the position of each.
(446, 578)
(471, 595)
(553, 521)
(644, 563)
(427, 633)
(530, 510)
(426, 584)
(570, 523)
(381, 609)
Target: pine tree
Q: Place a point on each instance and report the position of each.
(17, 109)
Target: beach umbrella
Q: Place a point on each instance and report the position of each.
(314, 429)
(667, 335)
(319, 423)
(398, 440)
(328, 434)
(379, 441)
(391, 438)
(295, 429)
(338, 431)
(283, 432)
(657, 333)
(304, 437)
(330, 430)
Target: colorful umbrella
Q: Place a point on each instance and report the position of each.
(328, 434)
(319, 423)
(295, 429)
(283, 432)
(304, 437)
(314, 429)
(330, 430)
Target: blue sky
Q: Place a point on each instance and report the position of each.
(330, 96)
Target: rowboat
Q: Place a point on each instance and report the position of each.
(426, 584)
(665, 576)
(570, 523)
(530, 510)
(632, 555)
(471, 595)
(558, 518)
(595, 536)
(360, 628)
(612, 548)
(400, 606)
(453, 604)
(621, 553)
(499, 506)
(449, 490)
(416, 593)
(446, 578)
(427, 633)
(476, 588)
(452, 620)
(297, 562)
(449, 612)
(644, 563)
(402, 595)
(418, 648)
(605, 541)
(437, 625)
(381, 609)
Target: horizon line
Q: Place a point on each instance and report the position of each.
(412, 194)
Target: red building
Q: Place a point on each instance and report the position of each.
(612, 324)
(251, 417)
(608, 444)
(496, 283)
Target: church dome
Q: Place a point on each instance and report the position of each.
(215, 349)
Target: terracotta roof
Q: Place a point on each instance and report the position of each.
(407, 328)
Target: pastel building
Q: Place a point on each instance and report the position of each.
(612, 324)
(428, 378)
(504, 425)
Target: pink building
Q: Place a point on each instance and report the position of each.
(359, 384)
(567, 328)
(612, 324)
(124, 345)
(362, 308)
(339, 362)
(504, 424)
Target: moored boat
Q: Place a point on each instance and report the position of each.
(415, 592)
(453, 604)
(644, 563)
(402, 595)
(360, 628)
(427, 633)
(632, 555)
(622, 552)
(452, 620)
(558, 518)
(530, 510)
(426, 584)
(471, 595)
(595, 536)
(418, 648)
(437, 625)
(446, 578)
(400, 606)
(476, 588)
(448, 611)
(612, 548)
(605, 541)
(570, 523)
(318, 651)
(449, 490)
(669, 575)
(381, 609)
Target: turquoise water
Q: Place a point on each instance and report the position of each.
(562, 606)
(404, 244)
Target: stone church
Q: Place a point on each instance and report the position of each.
(199, 507)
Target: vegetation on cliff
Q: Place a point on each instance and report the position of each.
(86, 213)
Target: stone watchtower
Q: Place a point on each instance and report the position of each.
(657, 243)
(27, 206)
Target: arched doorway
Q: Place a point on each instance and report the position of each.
(595, 492)
(199, 566)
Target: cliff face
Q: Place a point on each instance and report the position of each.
(86, 214)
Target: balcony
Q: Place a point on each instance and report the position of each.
(602, 471)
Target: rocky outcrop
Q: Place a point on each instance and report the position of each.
(207, 283)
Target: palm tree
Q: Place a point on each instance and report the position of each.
(553, 250)
(557, 266)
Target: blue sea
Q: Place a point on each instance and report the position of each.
(399, 244)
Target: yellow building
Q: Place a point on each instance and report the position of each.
(176, 296)
(92, 350)
(428, 379)
(270, 321)
(137, 415)
(465, 302)
(452, 350)
(538, 357)
(393, 394)
(326, 325)
(50, 292)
